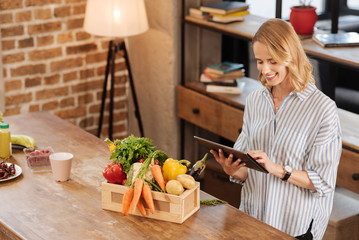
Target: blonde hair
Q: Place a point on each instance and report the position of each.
(285, 47)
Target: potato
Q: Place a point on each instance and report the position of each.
(174, 187)
(186, 180)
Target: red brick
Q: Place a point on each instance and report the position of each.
(24, 16)
(12, 31)
(70, 76)
(82, 35)
(27, 42)
(45, 54)
(52, 93)
(96, 57)
(83, 48)
(66, 64)
(32, 82)
(45, 40)
(12, 111)
(52, 79)
(87, 73)
(28, 70)
(12, 85)
(87, 122)
(85, 98)
(74, 23)
(44, 27)
(67, 102)
(75, 1)
(18, 98)
(12, 58)
(34, 108)
(71, 113)
(5, 18)
(50, 105)
(29, 3)
(83, 87)
(118, 67)
(10, 4)
(79, 9)
(65, 37)
(64, 11)
(42, 13)
(7, 45)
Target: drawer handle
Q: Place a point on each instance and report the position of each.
(195, 110)
(355, 176)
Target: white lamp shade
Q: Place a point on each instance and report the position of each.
(115, 18)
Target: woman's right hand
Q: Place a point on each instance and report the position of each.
(235, 169)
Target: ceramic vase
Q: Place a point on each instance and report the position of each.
(303, 19)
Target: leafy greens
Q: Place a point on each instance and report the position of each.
(131, 149)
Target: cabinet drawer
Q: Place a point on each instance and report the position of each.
(216, 182)
(348, 167)
(209, 114)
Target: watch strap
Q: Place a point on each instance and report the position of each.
(234, 180)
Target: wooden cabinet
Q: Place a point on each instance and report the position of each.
(208, 113)
(348, 171)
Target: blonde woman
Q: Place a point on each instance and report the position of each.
(292, 129)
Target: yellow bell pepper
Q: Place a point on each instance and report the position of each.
(110, 144)
(171, 168)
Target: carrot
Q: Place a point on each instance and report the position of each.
(141, 208)
(147, 195)
(126, 201)
(157, 174)
(137, 193)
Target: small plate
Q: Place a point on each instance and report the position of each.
(17, 173)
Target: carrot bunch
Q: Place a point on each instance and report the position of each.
(140, 188)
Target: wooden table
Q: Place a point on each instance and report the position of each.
(34, 206)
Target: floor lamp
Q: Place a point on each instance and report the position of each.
(116, 19)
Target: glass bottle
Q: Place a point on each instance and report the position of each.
(5, 141)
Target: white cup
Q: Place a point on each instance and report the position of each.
(61, 165)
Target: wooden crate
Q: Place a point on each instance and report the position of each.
(168, 207)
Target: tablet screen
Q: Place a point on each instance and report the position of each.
(245, 157)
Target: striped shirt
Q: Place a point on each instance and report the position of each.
(305, 134)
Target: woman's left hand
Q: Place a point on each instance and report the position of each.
(263, 159)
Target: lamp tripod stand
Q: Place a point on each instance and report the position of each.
(113, 48)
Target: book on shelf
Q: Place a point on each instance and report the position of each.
(224, 89)
(219, 77)
(208, 81)
(225, 7)
(342, 39)
(197, 13)
(223, 68)
(228, 18)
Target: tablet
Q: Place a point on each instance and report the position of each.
(250, 162)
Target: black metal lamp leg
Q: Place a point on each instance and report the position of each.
(104, 90)
(133, 91)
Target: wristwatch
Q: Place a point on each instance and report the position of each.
(288, 171)
(238, 181)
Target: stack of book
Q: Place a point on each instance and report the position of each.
(222, 77)
(226, 12)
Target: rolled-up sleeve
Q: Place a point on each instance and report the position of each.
(325, 154)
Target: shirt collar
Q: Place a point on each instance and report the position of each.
(301, 95)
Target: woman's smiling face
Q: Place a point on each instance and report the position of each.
(273, 72)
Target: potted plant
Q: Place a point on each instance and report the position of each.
(303, 17)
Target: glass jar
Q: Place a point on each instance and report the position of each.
(5, 141)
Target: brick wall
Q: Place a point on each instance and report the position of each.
(51, 64)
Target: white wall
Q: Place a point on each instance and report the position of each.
(155, 63)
